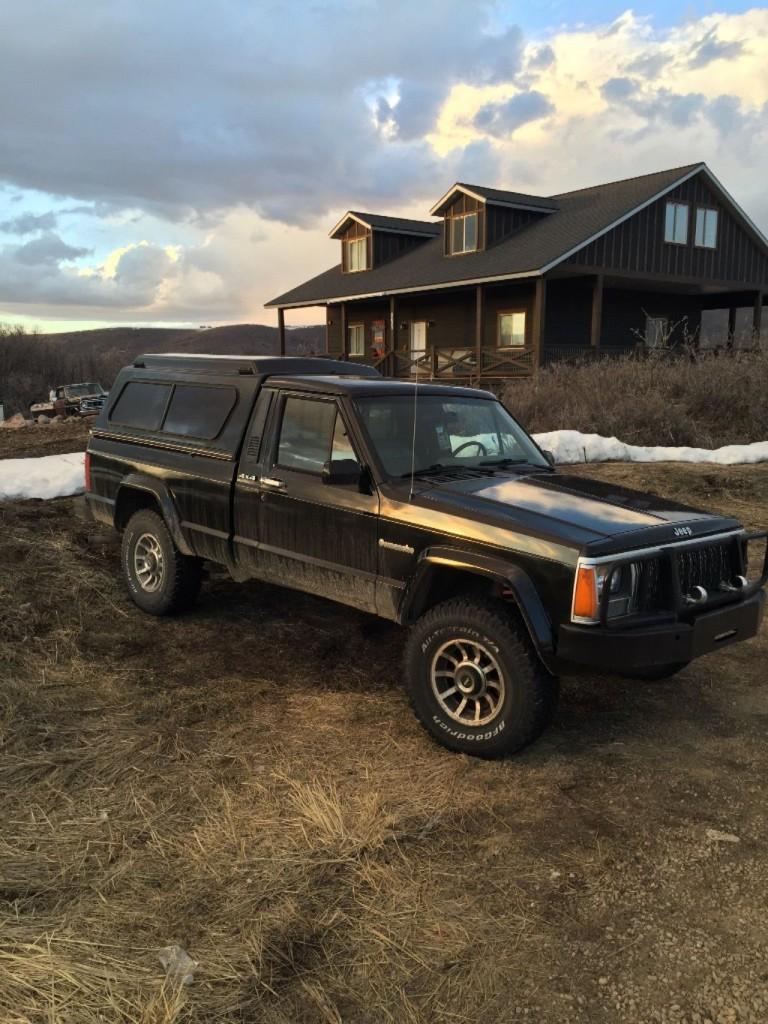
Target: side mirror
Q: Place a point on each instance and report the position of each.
(341, 472)
(549, 457)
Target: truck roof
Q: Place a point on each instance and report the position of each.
(359, 386)
(251, 365)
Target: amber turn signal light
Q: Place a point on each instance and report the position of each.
(585, 595)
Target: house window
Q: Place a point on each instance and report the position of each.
(676, 223)
(357, 339)
(463, 233)
(706, 227)
(512, 329)
(656, 331)
(357, 254)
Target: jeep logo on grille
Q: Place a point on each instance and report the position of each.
(683, 531)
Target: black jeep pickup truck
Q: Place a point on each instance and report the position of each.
(427, 505)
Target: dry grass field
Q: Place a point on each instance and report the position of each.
(248, 782)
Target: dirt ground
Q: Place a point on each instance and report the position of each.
(248, 782)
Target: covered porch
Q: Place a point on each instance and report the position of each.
(509, 329)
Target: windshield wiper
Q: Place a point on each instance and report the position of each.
(507, 462)
(436, 467)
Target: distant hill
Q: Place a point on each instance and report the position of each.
(235, 339)
(32, 364)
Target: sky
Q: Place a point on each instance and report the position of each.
(182, 164)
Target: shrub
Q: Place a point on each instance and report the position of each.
(704, 400)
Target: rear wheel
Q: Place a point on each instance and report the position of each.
(161, 580)
(474, 680)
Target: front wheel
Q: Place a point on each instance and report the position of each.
(161, 580)
(474, 680)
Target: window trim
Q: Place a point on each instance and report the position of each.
(449, 219)
(350, 328)
(705, 210)
(510, 312)
(349, 242)
(687, 205)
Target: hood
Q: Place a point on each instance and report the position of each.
(594, 515)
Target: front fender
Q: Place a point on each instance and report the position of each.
(159, 490)
(515, 579)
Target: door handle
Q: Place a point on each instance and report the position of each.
(272, 484)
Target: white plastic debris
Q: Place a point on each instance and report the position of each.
(178, 964)
(715, 836)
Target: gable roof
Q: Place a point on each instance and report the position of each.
(582, 216)
(497, 196)
(381, 222)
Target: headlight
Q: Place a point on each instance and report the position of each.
(590, 584)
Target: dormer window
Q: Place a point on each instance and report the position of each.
(462, 230)
(357, 254)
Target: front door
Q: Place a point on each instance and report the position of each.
(314, 536)
(418, 340)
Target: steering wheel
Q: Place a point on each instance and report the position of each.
(481, 449)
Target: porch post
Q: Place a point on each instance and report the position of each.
(597, 313)
(537, 327)
(343, 325)
(757, 317)
(479, 325)
(281, 329)
(390, 366)
(731, 326)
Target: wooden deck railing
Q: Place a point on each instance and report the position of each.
(444, 362)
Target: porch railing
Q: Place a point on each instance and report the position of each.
(449, 362)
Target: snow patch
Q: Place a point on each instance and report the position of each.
(51, 476)
(569, 446)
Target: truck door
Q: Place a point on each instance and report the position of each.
(291, 527)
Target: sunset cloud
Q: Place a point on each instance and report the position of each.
(158, 166)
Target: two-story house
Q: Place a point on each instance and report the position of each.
(499, 283)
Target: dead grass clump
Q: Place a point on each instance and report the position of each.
(706, 401)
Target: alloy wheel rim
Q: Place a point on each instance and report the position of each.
(467, 682)
(148, 563)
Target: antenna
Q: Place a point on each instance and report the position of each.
(413, 438)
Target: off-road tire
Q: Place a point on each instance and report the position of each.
(181, 576)
(530, 692)
(658, 672)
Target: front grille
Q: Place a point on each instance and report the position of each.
(652, 585)
(707, 566)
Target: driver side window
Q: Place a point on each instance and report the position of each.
(312, 433)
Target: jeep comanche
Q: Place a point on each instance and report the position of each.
(427, 505)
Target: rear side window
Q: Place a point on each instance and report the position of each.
(199, 411)
(141, 404)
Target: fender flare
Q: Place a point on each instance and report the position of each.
(161, 493)
(524, 592)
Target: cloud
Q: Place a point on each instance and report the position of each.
(48, 249)
(541, 58)
(505, 118)
(202, 160)
(710, 49)
(618, 90)
(29, 223)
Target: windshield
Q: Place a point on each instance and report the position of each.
(81, 390)
(449, 432)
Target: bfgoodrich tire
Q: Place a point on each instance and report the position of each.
(160, 579)
(474, 680)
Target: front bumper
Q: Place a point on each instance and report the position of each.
(624, 650)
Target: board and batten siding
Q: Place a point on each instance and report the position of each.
(637, 245)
